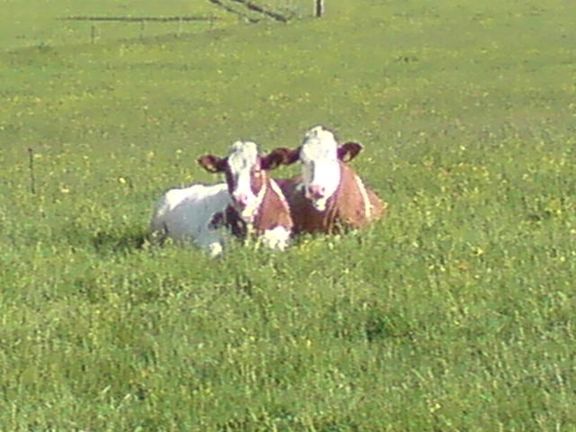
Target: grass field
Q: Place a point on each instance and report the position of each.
(456, 313)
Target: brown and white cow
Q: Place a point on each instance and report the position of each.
(328, 196)
(248, 203)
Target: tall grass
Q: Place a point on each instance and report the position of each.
(455, 313)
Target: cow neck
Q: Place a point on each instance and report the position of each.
(332, 212)
(364, 194)
(254, 220)
(349, 186)
(279, 194)
(274, 197)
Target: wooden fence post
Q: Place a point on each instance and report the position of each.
(31, 168)
(318, 8)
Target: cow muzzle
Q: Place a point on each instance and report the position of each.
(315, 192)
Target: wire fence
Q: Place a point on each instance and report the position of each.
(280, 10)
(293, 8)
(250, 11)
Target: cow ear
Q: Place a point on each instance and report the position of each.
(211, 163)
(349, 150)
(279, 156)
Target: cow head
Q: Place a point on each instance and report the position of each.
(245, 172)
(320, 156)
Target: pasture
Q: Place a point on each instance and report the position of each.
(456, 313)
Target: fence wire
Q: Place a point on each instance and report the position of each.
(289, 8)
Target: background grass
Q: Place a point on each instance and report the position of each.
(454, 314)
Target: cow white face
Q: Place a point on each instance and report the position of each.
(244, 175)
(321, 171)
(321, 159)
(244, 178)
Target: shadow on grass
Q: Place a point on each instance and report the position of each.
(283, 418)
(120, 242)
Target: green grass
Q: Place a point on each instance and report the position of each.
(456, 313)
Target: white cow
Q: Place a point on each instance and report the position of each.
(186, 214)
(250, 202)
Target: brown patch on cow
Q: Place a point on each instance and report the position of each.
(257, 179)
(282, 156)
(213, 164)
(349, 150)
(379, 207)
(272, 212)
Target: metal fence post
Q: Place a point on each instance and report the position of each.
(318, 8)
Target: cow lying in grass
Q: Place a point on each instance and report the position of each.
(329, 196)
(248, 203)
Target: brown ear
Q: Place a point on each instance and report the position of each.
(349, 150)
(211, 163)
(279, 156)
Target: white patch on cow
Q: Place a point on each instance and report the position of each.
(365, 198)
(320, 165)
(276, 238)
(212, 241)
(185, 214)
(276, 189)
(242, 158)
(320, 204)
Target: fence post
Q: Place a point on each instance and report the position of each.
(318, 8)
(31, 168)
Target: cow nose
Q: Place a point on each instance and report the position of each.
(241, 200)
(316, 191)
